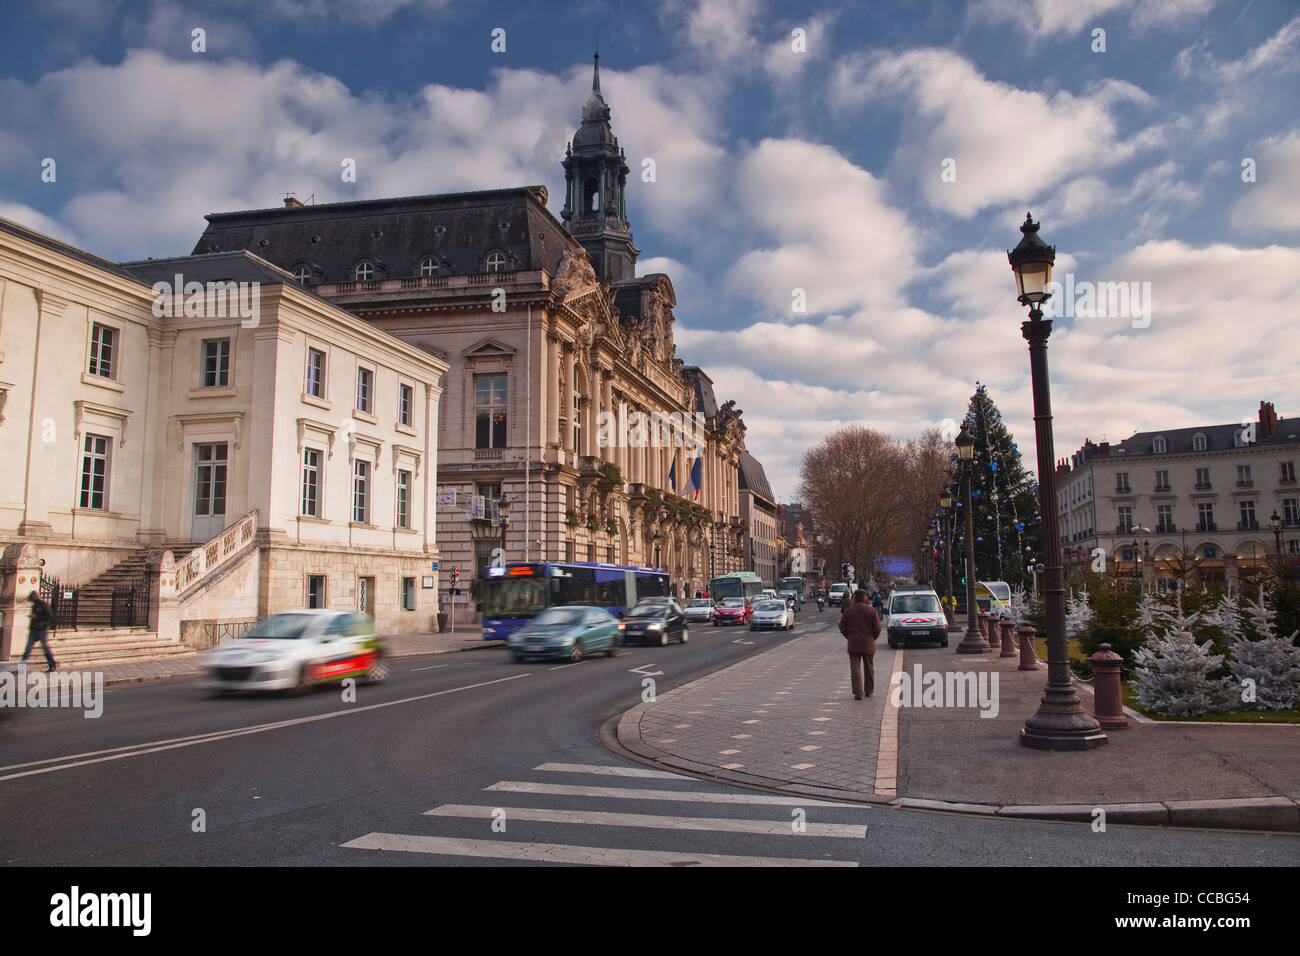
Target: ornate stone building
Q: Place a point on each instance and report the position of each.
(556, 351)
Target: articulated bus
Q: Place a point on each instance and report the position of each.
(744, 584)
(515, 594)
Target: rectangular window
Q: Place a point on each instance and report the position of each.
(315, 590)
(1121, 482)
(103, 347)
(365, 387)
(1243, 476)
(315, 384)
(408, 594)
(1205, 516)
(311, 483)
(405, 404)
(1248, 516)
(404, 499)
(1293, 546)
(1202, 478)
(94, 473)
(1162, 481)
(1125, 519)
(483, 548)
(1288, 472)
(489, 411)
(360, 491)
(577, 424)
(1164, 518)
(1291, 512)
(216, 363)
(210, 479)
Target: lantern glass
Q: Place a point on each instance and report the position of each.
(965, 446)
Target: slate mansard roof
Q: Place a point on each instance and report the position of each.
(458, 230)
(1217, 438)
(753, 478)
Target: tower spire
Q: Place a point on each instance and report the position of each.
(595, 76)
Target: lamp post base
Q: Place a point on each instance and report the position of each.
(973, 643)
(1061, 723)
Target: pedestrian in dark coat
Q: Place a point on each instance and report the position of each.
(860, 626)
(38, 626)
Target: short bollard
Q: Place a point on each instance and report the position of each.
(1008, 642)
(1028, 659)
(1107, 699)
(995, 640)
(982, 622)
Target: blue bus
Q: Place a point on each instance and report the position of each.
(516, 593)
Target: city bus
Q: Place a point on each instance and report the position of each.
(744, 584)
(793, 584)
(993, 596)
(514, 594)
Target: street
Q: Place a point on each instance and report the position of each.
(467, 758)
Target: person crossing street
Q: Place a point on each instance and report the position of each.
(860, 626)
(38, 627)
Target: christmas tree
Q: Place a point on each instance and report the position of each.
(1078, 615)
(1268, 667)
(1172, 675)
(1003, 496)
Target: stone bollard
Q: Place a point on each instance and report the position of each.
(1028, 658)
(1107, 698)
(982, 623)
(1008, 642)
(995, 640)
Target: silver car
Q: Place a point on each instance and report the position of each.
(772, 615)
(700, 610)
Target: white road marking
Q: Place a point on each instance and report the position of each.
(570, 664)
(432, 667)
(612, 771)
(651, 821)
(685, 796)
(561, 853)
(116, 753)
(645, 673)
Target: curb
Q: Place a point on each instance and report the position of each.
(1262, 814)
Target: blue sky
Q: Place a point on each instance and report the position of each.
(883, 170)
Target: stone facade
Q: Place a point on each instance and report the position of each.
(1206, 493)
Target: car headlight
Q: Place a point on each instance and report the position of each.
(655, 627)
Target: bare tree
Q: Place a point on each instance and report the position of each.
(851, 484)
(926, 461)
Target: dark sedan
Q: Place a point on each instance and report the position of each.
(655, 623)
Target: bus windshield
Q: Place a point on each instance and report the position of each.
(514, 597)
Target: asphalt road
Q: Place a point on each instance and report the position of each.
(469, 759)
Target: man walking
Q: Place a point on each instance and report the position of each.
(39, 625)
(860, 626)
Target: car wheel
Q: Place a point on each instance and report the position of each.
(613, 647)
(663, 638)
(517, 658)
(575, 655)
(715, 623)
(304, 683)
(378, 671)
(944, 642)
(893, 643)
(686, 635)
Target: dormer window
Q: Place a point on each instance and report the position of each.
(301, 273)
(495, 262)
(428, 266)
(365, 271)
(1159, 446)
(1199, 442)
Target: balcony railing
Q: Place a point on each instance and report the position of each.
(1248, 525)
(1207, 526)
(1124, 527)
(1204, 486)
(208, 557)
(1163, 488)
(1245, 483)
(1169, 528)
(1123, 489)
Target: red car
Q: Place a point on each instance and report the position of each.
(732, 611)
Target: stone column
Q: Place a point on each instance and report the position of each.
(20, 574)
(555, 414)
(568, 362)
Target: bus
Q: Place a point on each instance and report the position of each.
(993, 596)
(514, 594)
(744, 584)
(792, 584)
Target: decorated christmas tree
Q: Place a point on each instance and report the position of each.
(1172, 675)
(1004, 498)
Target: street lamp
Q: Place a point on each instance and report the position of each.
(945, 502)
(1276, 521)
(1060, 723)
(503, 511)
(973, 642)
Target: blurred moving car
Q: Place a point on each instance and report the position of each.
(772, 615)
(656, 623)
(732, 611)
(570, 631)
(915, 616)
(296, 650)
(700, 609)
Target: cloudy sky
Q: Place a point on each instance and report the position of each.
(877, 156)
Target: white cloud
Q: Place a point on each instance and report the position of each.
(1042, 19)
(1272, 202)
(32, 219)
(1007, 143)
(783, 63)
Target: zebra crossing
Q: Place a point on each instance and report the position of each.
(781, 828)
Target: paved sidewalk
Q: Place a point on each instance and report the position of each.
(185, 665)
(787, 719)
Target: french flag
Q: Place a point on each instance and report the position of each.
(697, 477)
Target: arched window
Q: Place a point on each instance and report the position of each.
(365, 271)
(1198, 442)
(301, 273)
(428, 266)
(1159, 446)
(495, 262)
(590, 196)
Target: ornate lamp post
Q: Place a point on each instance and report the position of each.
(1275, 521)
(945, 504)
(1061, 723)
(973, 642)
(503, 510)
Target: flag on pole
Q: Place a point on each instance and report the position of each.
(672, 475)
(693, 485)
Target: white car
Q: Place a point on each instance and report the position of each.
(775, 615)
(700, 609)
(915, 616)
(295, 651)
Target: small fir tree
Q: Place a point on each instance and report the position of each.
(1267, 668)
(1173, 671)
